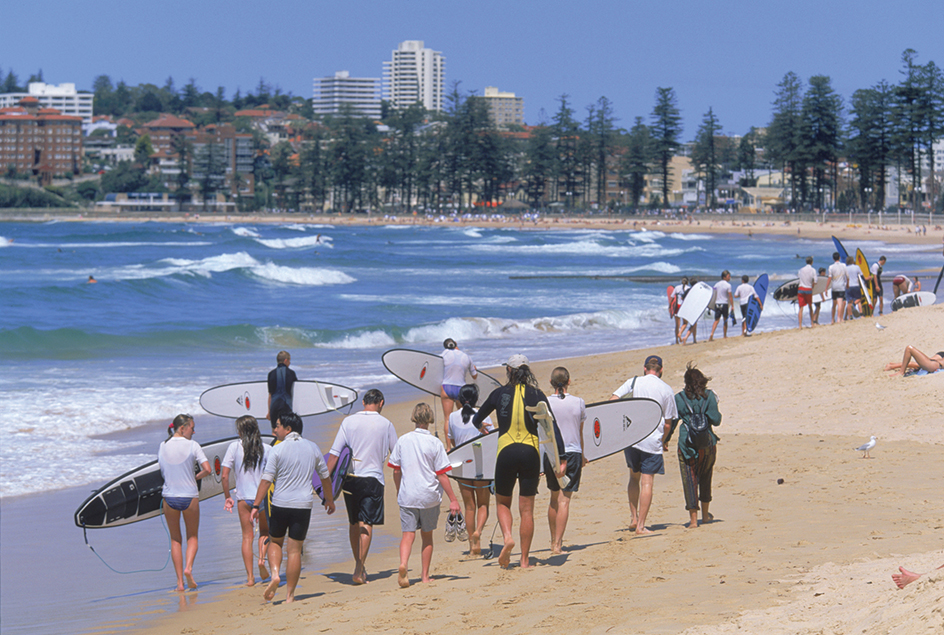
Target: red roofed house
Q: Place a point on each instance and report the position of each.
(39, 141)
(164, 129)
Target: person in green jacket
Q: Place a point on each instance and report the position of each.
(695, 464)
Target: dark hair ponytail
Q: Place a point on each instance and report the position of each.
(468, 397)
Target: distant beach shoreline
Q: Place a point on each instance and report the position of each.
(743, 224)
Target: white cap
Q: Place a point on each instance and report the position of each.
(516, 361)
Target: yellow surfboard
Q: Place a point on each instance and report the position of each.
(866, 284)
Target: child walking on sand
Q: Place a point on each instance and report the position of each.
(419, 465)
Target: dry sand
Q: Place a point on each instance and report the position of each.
(813, 554)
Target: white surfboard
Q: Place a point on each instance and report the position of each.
(252, 398)
(548, 439)
(425, 371)
(137, 495)
(913, 299)
(610, 427)
(695, 302)
(820, 286)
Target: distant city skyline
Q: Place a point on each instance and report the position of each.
(726, 55)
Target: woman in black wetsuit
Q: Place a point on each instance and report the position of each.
(518, 459)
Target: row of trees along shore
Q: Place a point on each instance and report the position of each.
(451, 158)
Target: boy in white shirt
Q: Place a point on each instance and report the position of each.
(419, 465)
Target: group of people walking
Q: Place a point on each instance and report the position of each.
(273, 484)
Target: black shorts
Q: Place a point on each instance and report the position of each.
(295, 521)
(364, 499)
(574, 470)
(721, 312)
(517, 463)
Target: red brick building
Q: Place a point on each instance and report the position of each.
(40, 141)
(163, 130)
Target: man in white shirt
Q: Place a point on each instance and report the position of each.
(838, 281)
(644, 459)
(807, 276)
(723, 300)
(290, 467)
(744, 293)
(371, 437)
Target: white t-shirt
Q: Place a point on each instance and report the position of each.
(807, 276)
(569, 413)
(421, 457)
(838, 275)
(455, 365)
(371, 437)
(178, 457)
(722, 291)
(460, 432)
(290, 466)
(652, 387)
(744, 293)
(852, 273)
(247, 481)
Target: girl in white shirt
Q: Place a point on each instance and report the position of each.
(246, 458)
(475, 494)
(176, 458)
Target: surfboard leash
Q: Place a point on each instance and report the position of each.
(97, 555)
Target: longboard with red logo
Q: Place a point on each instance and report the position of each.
(137, 495)
(252, 398)
(611, 426)
(425, 371)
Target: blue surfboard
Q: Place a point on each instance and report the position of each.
(340, 470)
(753, 306)
(843, 254)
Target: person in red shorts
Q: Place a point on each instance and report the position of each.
(807, 277)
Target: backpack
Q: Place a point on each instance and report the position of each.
(699, 428)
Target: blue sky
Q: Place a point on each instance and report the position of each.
(727, 54)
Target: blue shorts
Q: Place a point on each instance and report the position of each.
(180, 504)
(451, 391)
(639, 461)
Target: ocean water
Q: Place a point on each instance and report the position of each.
(91, 374)
(181, 308)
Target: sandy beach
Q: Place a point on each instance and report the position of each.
(806, 532)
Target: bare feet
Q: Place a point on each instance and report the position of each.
(707, 518)
(180, 587)
(692, 525)
(272, 587)
(191, 583)
(402, 578)
(263, 572)
(904, 578)
(642, 530)
(360, 575)
(556, 549)
(250, 582)
(526, 563)
(504, 558)
(475, 544)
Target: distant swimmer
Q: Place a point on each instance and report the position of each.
(91, 280)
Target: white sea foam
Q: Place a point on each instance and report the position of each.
(295, 227)
(585, 247)
(245, 232)
(5, 242)
(308, 276)
(370, 339)
(681, 236)
(296, 243)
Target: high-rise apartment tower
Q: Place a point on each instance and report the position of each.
(415, 74)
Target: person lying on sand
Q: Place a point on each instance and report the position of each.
(915, 360)
(906, 577)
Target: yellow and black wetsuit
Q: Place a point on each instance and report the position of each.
(518, 457)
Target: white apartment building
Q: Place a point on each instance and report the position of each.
(415, 74)
(504, 108)
(62, 97)
(360, 93)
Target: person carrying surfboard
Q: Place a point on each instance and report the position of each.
(475, 493)
(644, 459)
(878, 291)
(723, 301)
(281, 380)
(518, 460)
(570, 412)
(456, 365)
(744, 293)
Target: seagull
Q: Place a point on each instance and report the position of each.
(879, 326)
(866, 447)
